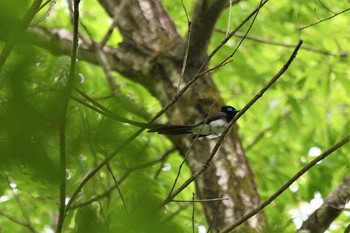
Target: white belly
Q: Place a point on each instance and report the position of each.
(214, 127)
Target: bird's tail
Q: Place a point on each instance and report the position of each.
(171, 129)
(162, 128)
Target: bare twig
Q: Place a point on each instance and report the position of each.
(215, 213)
(262, 133)
(109, 32)
(325, 19)
(45, 4)
(83, 39)
(233, 2)
(228, 127)
(47, 13)
(62, 121)
(17, 221)
(203, 200)
(273, 42)
(193, 230)
(302, 171)
(184, 63)
(102, 58)
(186, 12)
(118, 188)
(225, 61)
(229, 18)
(99, 108)
(28, 222)
(227, 38)
(325, 7)
(159, 170)
(148, 164)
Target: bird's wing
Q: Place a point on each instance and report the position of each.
(213, 117)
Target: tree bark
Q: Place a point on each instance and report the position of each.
(333, 205)
(151, 54)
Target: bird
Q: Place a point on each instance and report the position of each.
(212, 126)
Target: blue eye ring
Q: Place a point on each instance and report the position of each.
(230, 109)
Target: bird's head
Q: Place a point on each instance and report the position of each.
(230, 111)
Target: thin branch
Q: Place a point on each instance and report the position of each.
(316, 14)
(215, 213)
(149, 164)
(62, 122)
(224, 62)
(325, 7)
(10, 43)
(118, 188)
(284, 187)
(17, 221)
(83, 39)
(193, 230)
(204, 200)
(45, 4)
(229, 18)
(233, 32)
(257, 138)
(228, 127)
(103, 110)
(20, 205)
(159, 170)
(185, 9)
(184, 63)
(262, 133)
(273, 42)
(102, 58)
(232, 2)
(325, 19)
(47, 13)
(109, 32)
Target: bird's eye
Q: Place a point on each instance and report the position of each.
(229, 109)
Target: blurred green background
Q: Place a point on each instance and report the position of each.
(300, 116)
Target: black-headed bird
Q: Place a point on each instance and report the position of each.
(212, 126)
